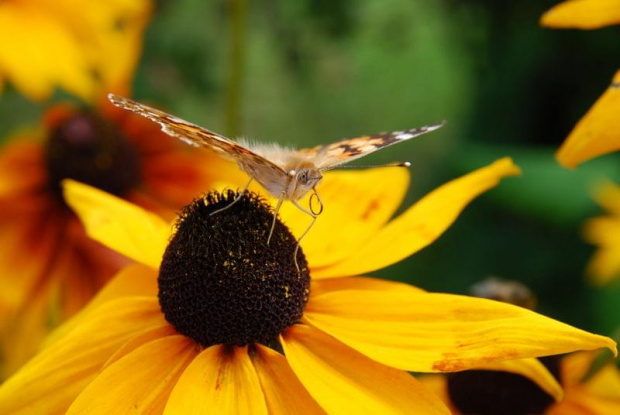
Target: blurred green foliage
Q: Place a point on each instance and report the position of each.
(315, 71)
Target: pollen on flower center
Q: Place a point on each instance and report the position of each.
(91, 150)
(219, 281)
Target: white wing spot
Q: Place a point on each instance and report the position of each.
(404, 136)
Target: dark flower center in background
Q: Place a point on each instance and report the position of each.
(219, 281)
(89, 149)
(489, 392)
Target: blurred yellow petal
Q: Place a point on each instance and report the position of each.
(283, 391)
(608, 197)
(356, 204)
(344, 381)
(597, 133)
(441, 332)
(582, 14)
(42, 53)
(532, 369)
(359, 283)
(604, 232)
(118, 224)
(86, 48)
(421, 224)
(138, 383)
(580, 402)
(605, 382)
(53, 378)
(220, 380)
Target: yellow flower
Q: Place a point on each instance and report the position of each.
(242, 331)
(49, 268)
(604, 231)
(583, 14)
(597, 133)
(86, 47)
(498, 392)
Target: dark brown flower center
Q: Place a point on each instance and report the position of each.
(92, 150)
(489, 392)
(219, 281)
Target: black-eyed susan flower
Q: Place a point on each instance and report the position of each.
(84, 47)
(233, 327)
(604, 232)
(582, 14)
(565, 387)
(48, 267)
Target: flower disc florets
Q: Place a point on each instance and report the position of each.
(91, 150)
(219, 281)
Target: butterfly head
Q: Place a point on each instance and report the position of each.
(303, 179)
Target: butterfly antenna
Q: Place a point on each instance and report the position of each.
(275, 215)
(394, 164)
(234, 201)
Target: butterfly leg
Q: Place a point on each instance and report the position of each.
(275, 215)
(236, 198)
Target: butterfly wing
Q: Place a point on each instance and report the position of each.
(333, 155)
(252, 163)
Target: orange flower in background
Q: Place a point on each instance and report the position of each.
(582, 14)
(48, 267)
(604, 232)
(86, 47)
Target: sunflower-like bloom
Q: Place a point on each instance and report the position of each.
(225, 323)
(49, 268)
(495, 392)
(86, 47)
(604, 232)
(582, 14)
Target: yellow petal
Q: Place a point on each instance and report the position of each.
(575, 366)
(605, 263)
(118, 224)
(582, 14)
(532, 369)
(53, 378)
(421, 224)
(356, 204)
(442, 332)
(283, 391)
(359, 283)
(580, 402)
(344, 381)
(597, 133)
(138, 383)
(133, 280)
(219, 381)
(605, 383)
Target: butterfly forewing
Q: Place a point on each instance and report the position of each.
(341, 152)
(195, 135)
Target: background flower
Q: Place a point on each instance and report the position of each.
(48, 267)
(84, 47)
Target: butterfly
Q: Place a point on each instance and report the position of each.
(286, 173)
